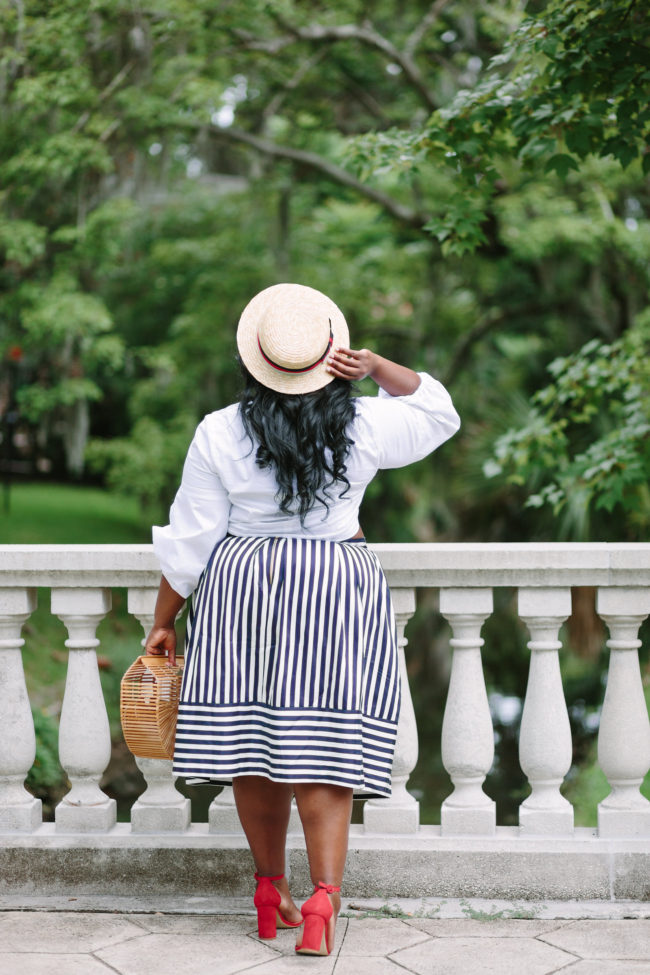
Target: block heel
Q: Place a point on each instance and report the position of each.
(314, 941)
(317, 912)
(267, 921)
(267, 901)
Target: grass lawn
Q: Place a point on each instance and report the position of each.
(52, 514)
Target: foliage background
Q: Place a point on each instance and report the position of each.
(468, 180)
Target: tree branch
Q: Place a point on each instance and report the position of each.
(364, 97)
(365, 34)
(123, 73)
(403, 214)
(293, 82)
(418, 33)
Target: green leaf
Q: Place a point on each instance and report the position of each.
(22, 241)
(561, 163)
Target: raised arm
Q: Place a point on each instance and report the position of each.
(413, 413)
(354, 364)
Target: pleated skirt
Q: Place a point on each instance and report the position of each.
(290, 666)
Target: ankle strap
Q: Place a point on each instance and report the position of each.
(259, 877)
(328, 888)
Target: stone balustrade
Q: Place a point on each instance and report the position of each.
(391, 851)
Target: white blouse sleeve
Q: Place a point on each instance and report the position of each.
(198, 518)
(407, 428)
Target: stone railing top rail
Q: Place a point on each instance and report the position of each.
(548, 564)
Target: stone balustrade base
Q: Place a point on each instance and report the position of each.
(25, 817)
(149, 819)
(393, 818)
(198, 863)
(71, 818)
(547, 821)
(634, 822)
(467, 821)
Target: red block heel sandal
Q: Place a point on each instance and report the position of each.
(267, 901)
(317, 912)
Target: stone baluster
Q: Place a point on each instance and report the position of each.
(84, 734)
(624, 735)
(545, 738)
(467, 733)
(19, 810)
(401, 812)
(160, 808)
(222, 814)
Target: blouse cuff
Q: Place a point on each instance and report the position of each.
(179, 562)
(428, 390)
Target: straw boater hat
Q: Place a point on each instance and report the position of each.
(285, 335)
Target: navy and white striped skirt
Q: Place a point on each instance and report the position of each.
(290, 666)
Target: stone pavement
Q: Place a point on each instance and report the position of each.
(373, 938)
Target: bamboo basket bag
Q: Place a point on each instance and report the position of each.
(149, 695)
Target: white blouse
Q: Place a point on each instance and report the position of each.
(224, 491)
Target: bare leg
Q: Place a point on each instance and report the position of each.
(264, 808)
(325, 812)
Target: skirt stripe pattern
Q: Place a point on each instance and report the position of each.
(290, 666)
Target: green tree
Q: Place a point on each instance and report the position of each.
(585, 445)
(76, 116)
(168, 162)
(571, 82)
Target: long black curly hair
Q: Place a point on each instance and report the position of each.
(302, 438)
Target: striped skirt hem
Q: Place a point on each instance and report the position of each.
(285, 746)
(290, 667)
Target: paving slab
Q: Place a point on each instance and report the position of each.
(61, 933)
(595, 966)
(368, 966)
(489, 956)
(606, 939)
(293, 964)
(22, 964)
(376, 937)
(75, 943)
(486, 928)
(182, 954)
(290, 962)
(240, 925)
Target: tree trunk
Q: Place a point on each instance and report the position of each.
(76, 426)
(586, 629)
